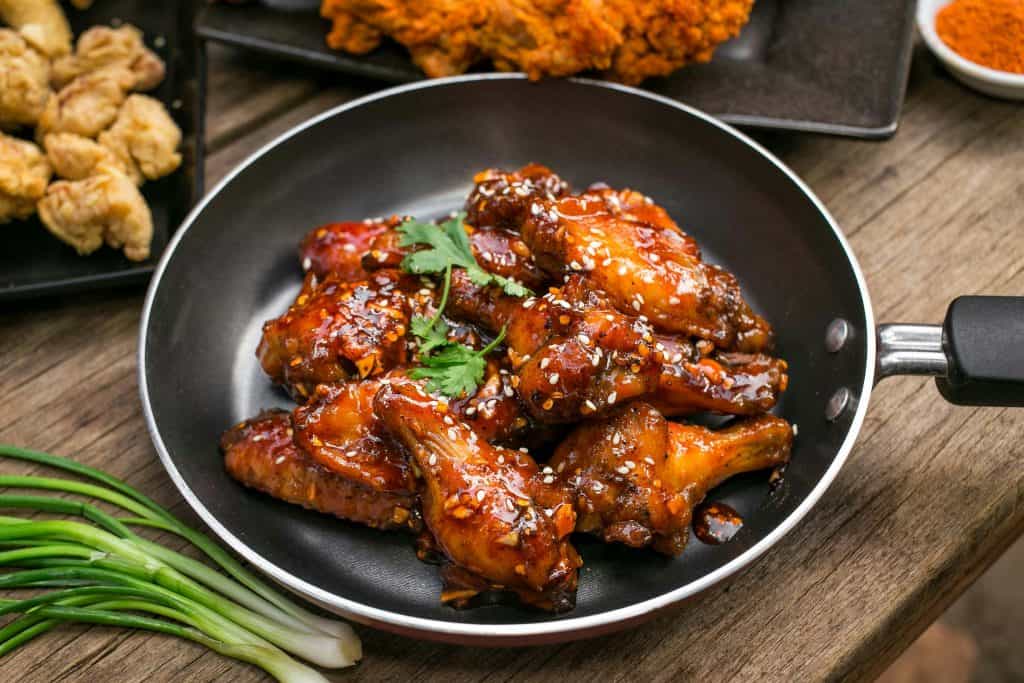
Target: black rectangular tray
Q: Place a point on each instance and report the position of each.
(32, 261)
(825, 66)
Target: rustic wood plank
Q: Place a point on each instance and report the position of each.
(930, 496)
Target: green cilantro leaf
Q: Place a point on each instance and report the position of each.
(431, 333)
(449, 246)
(455, 370)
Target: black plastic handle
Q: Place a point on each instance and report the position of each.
(983, 338)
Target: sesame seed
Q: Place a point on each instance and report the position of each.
(636, 305)
(617, 439)
(544, 362)
(529, 303)
(622, 270)
(279, 460)
(640, 297)
(553, 379)
(306, 263)
(448, 420)
(350, 454)
(549, 479)
(796, 430)
(500, 459)
(655, 258)
(584, 339)
(622, 470)
(611, 397)
(674, 300)
(590, 404)
(480, 495)
(509, 392)
(432, 460)
(575, 265)
(452, 434)
(630, 464)
(471, 410)
(607, 262)
(649, 460)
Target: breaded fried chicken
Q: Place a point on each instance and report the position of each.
(24, 173)
(627, 40)
(24, 81)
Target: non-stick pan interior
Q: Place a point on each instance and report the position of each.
(415, 152)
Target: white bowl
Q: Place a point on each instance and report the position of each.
(981, 78)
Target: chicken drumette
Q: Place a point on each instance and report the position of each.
(492, 512)
(637, 476)
(645, 267)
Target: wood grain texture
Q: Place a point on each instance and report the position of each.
(931, 495)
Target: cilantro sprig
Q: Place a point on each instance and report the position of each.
(449, 246)
(450, 368)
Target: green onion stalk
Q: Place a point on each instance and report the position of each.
(108, 574)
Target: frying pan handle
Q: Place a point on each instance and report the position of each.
(977, 355)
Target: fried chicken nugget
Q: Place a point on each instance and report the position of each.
(101, 47)
(41, 22)
(86, 105)
(24, 173)
(74, 157)
(24, 81)
(144, 138)
(106, 207)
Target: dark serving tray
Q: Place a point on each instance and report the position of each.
(808, 65)
(32, 261)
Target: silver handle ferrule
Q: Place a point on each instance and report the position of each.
(911, 350)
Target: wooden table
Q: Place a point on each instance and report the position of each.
(931, 495)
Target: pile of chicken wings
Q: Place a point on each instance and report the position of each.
(573, 428)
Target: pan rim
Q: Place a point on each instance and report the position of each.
(526, 631)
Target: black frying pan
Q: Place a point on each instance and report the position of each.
(413, 150)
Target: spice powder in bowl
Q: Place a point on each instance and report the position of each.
(980, 42)
(987, 32)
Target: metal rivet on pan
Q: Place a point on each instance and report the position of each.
(836, 335)
(837, 404)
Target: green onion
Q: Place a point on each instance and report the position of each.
(108, 574)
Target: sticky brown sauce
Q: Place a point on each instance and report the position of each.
(716, 523)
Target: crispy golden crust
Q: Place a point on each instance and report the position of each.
(106, 207)
(627, 40)
(41, 22)
(24, 173)
(144, 138)
(75, 157)
(24, 81)
(102, 47)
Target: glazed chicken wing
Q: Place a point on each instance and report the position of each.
(492, 512)
(638, 477)
(337, 330)
(262, 453)
(644, 268)
(338, 249)
(576, 356)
